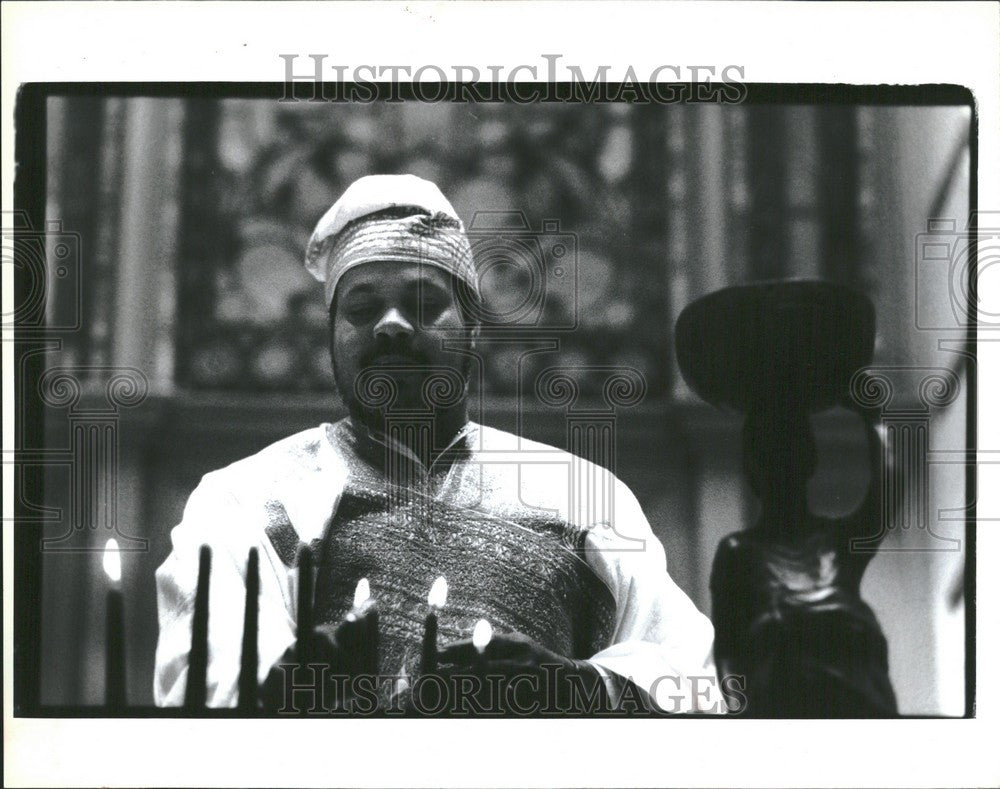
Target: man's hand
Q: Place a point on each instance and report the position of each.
(337, 647)
(522, 677)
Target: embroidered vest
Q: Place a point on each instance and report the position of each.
(523, 569)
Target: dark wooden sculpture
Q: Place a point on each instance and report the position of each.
(786, 603)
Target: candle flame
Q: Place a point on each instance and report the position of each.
(482, 634)
(112, 561)
(362, 593)
(438, 594)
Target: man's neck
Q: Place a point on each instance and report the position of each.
(423, 436)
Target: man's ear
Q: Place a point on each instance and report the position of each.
(468, 357)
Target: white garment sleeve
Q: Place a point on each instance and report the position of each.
(662, 642)
(214, 517)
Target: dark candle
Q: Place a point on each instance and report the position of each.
(114, 634)
(304, 627)
(428, 657)
(371, 632)
(436, 599)
(195, 693)
(248, 662)
(365, 614)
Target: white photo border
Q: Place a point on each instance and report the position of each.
(859, 43)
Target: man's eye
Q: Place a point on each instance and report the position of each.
(361, 312)
(433, 305)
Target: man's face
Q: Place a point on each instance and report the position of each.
(387, 316)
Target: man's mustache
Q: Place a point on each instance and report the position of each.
(388, 354)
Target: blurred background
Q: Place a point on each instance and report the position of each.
(192, 215)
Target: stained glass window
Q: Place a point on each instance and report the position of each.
(632, 210)
(561, 180)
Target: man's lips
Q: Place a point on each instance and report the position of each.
(391, 359)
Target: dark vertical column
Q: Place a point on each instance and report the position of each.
(767, 242)
(737, 192)
(649, 169)
(694, 202)
(650, 229)
(202, 241)
(838, 194)
(104, 260)
(78, 179)
(29, 425)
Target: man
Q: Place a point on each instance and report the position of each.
(406, 489)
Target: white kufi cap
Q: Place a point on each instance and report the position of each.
(389, 217)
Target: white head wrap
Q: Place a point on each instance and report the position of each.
(415, 223)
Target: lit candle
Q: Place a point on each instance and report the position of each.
(248, 663)
(114, 661)
(195, 693)
(436, 599)
(362, 594)
(482, 634)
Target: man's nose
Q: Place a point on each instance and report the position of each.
(393, 324)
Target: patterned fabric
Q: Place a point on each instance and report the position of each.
(523, 571)
(422, 227)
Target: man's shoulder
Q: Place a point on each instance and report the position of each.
(493, 439)
(307, 450)
(294, 482)
(526, 450)
(581, 490)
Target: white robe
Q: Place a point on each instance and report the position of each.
(661, 641)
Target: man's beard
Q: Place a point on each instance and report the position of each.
(395, 384)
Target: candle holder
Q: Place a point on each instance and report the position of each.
(786, 602)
